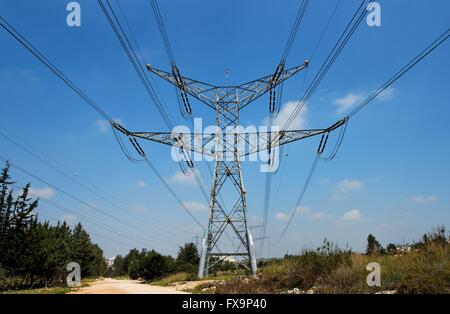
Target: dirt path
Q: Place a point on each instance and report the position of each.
(119, 286)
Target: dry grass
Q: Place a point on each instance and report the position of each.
(425, 270)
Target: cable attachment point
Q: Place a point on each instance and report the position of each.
(136, 146)
(273, 83)
(323, 143)
(183, 94)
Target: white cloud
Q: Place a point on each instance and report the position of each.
(387, 94)
(345, 187)
(303, 209)
(70, 219)
(299, 210)
(348, 185)
(180, 178)
(195, 206)
(255, 220)
(285, 112)
(353, 214)
(141, 184)
(423, 199)
(281, 216)
(348, 101)
(320, 216)
(103, 126)
(46, 193)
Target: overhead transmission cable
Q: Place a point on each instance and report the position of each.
(129, 50)
(295, 28)
(274, 109)
(127, 46)
(89, 205)
(13, 32)
(90, 190)
(351, 27)
(90, 233)
(419, 57)
(90, 220)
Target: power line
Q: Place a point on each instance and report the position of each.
(64, 78)
(97, 223)
(331, 58)
(121, 35)
(295, 28)
(150, 164)
(13, 32)
(425, 52)
(90, 232)
(436, 43)
(140, 219)
(302, 193)
(162, 31)
(325, 30)
(147, 233)
(128, 48)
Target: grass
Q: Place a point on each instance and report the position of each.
(332, 270)
(54, 290)
(51, 290)
(177, 277)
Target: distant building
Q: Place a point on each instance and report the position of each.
(110, 261)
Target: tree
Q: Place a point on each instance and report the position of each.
(391, 248)
(154, 265)
(373, 246)
(36, 253)
(188, 258)
(132, 262)
(118, 267)
(88, 255)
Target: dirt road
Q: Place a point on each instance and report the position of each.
(119, 286)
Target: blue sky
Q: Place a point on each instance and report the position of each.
(390, 177)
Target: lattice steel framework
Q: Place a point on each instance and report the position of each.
(226, 101)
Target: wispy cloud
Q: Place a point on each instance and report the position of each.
(345, 187)
(180, 178)
(320, 216)
(141, 184)
(103, 126)
(46, 193)
(285, 113)
(348, 101)
(387, 94)
(423, 199)
(352, 215)
(256, 220)
(281, 216)
(299, 210)
(195, 206)
(353, 98)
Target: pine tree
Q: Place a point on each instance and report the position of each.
(373, 246)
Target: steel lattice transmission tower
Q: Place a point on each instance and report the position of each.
(227, 102)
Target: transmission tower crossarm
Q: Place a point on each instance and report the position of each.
(185, 141)
(253, 142)
(252, 90)
(244, 94)
(202, 91)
